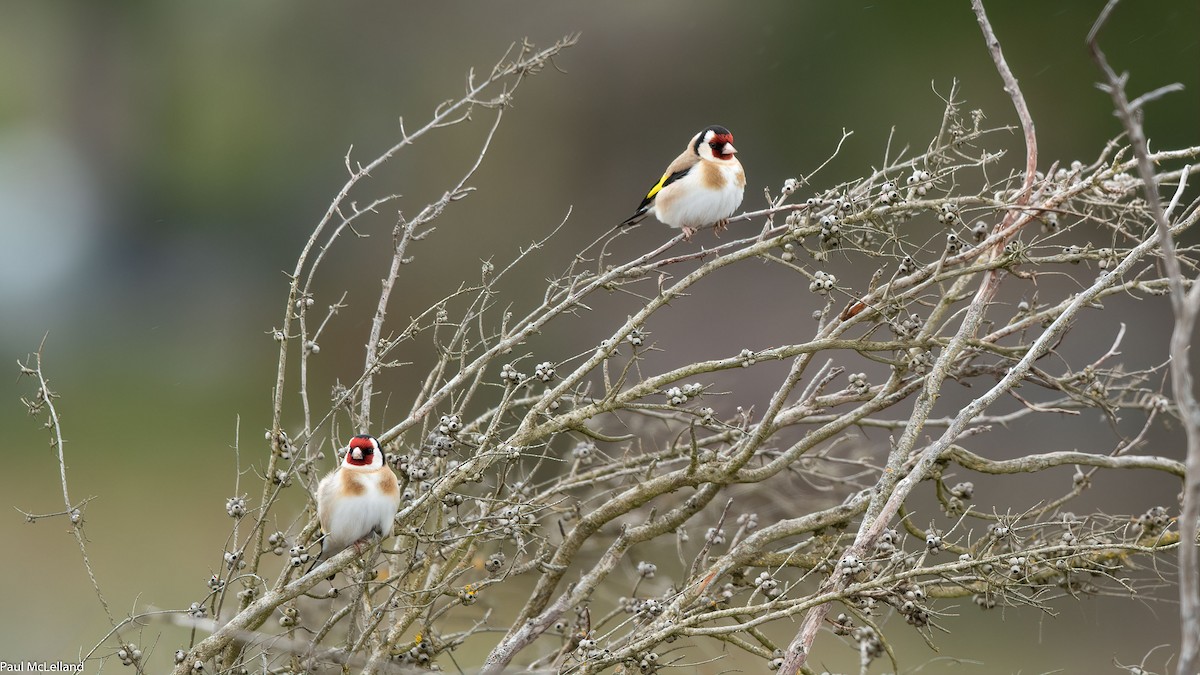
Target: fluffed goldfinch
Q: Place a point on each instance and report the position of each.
(703, 186)
(359, 497)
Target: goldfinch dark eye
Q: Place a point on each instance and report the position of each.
(720, 145)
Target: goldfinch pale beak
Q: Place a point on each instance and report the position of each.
(356, 454)
(729, 149)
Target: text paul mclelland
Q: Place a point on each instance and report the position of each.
(41, 666)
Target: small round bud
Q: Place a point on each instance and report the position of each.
(822, 283)
(953, 243)
(933, 542)
(544, 371)
(509, 375)
(964, 490)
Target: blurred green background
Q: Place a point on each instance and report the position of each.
(162, 163)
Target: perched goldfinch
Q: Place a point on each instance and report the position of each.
(359, 497)
(703, 186)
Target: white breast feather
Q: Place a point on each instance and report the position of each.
(697, 206)
(349, 519)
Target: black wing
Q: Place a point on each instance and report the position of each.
(663, 182)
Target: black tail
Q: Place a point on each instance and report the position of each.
(636, 217)
(316, 561)
(320, 557)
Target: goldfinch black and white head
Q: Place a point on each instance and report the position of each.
(702, 187)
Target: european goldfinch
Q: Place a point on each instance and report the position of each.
(703, 186)
(359, 497)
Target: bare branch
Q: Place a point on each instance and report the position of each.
(1186, 306)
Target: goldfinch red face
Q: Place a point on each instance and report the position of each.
(715, 143)
(364, 451)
